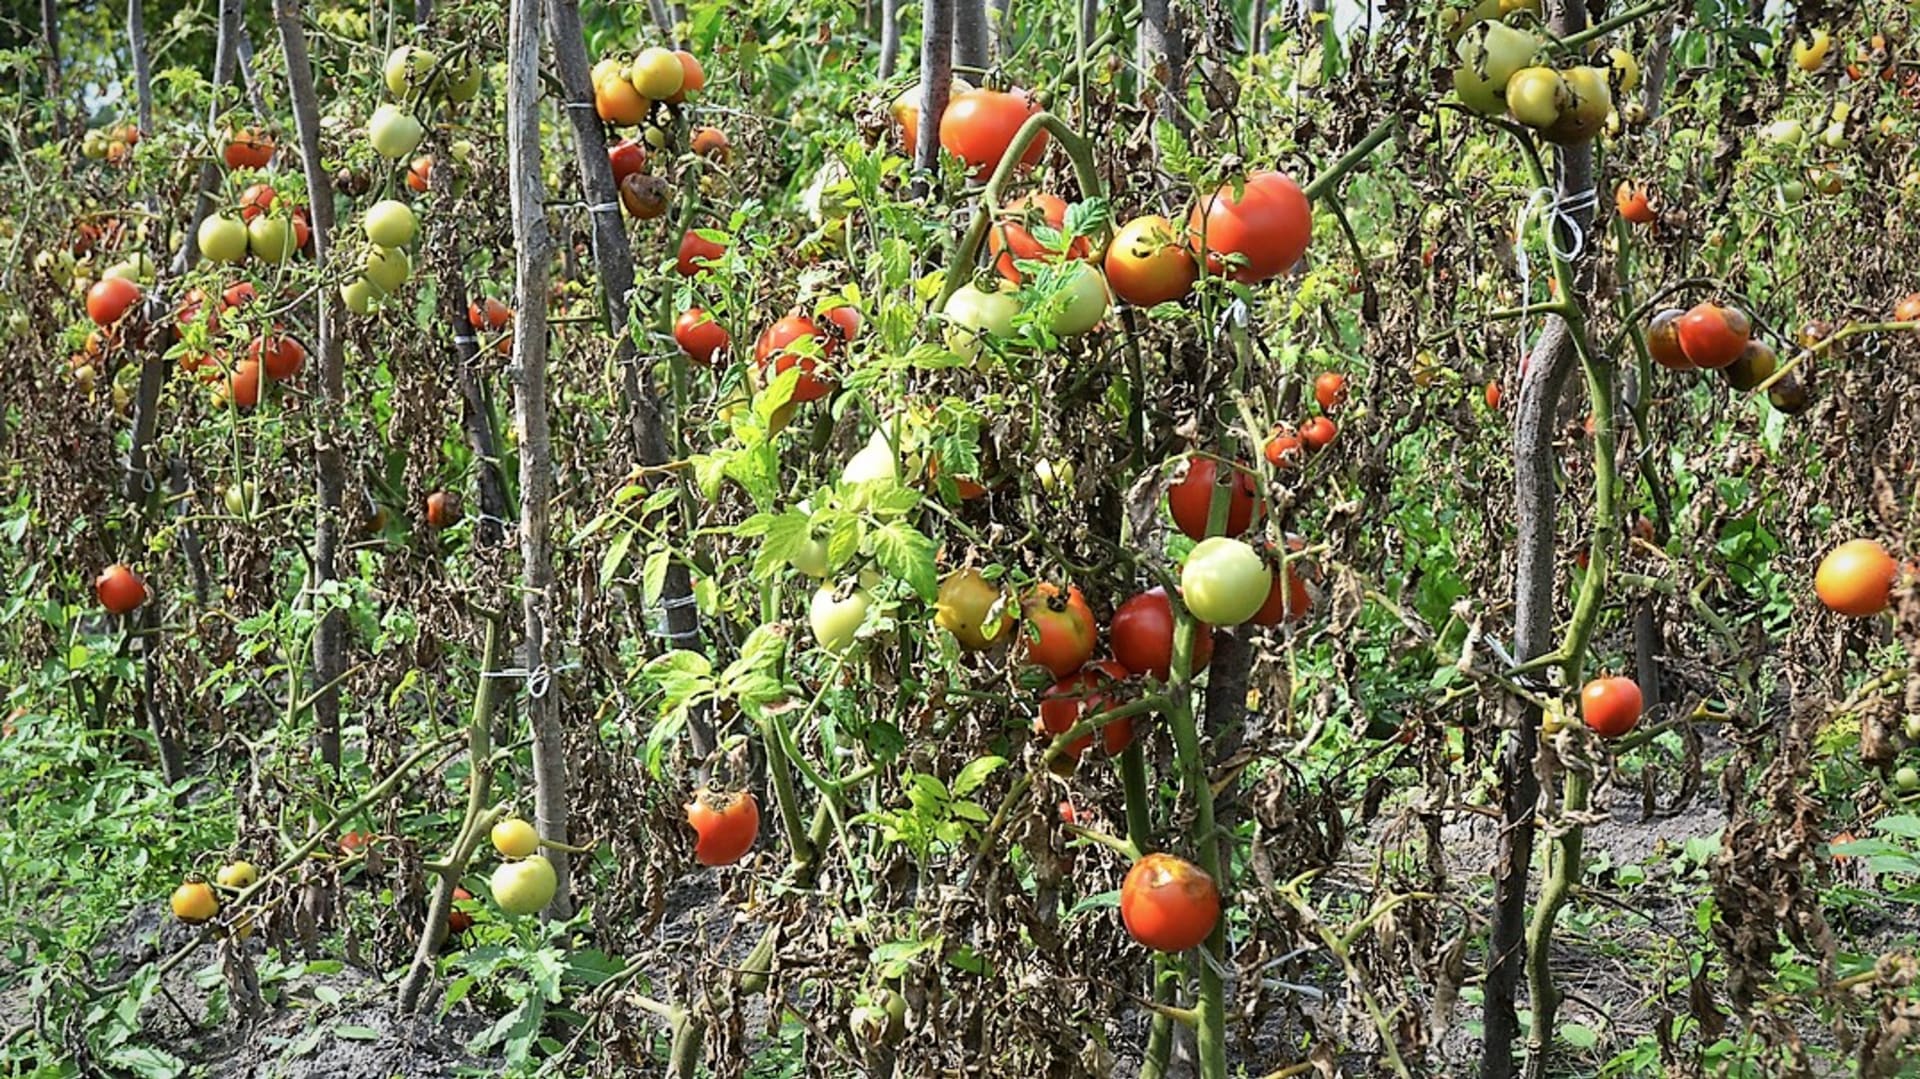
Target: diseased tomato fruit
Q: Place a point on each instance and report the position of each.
(1192, 496)
(1856, 578)
(1632, 201)
(1789, 395)
(1148, 262)
(979, 126)
(443, 510)
(726, 825)
(1712, 336)
(1287, 597)
(1088, 692)
(248, 150)
(1663, 340)
(195, 902)
(711, 143)
(1330, 390)
(1225, 582)
(525, 886)
(1269, 225)
(459, 921)
(835, 618)
(974, 610)
(1059, 629)
(1908, 309)
(514, 837)
(354, 842)
(1610, 706)
(699, 336)
(1284, 448)
(1168, 903)
(1141, 635)
(420, 173)
(119, 589)
(625, 158)
(1756, 364)
(237, 875)
(109, 298)
(280, 356)
(1011, 239)
(1318, 433)
(644, 196)
(775, 344)
(694, 250)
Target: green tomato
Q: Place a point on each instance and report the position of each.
(390, 223)
(1535, 96)
(359, 295)
(1082, 304)
(137, 268)
(240, 498)
(1907, 778)
(973, 316)
(406, 67)
(834, 619)
(810, 556)
(1225, 582)
(387, 268)
(223, 238)
(270, 236)
(393, 133)
(1912, 724)
(463, 82)
(525, 886)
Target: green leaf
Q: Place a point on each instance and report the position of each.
(902, 551)
(653, 576)
(356, 1033)
(1907, 827)
(1579, 1037)
(975, 773)
(616, 555)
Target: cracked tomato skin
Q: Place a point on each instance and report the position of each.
(1168, 903)
(726, 825)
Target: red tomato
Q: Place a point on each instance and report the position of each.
(1148, 263)
(1284, 448)
(119, 589)
(488, 313)
(255, 200)
(699, 336)
(1493, 395)
(280, 356)
(1141, 635)
(1270, 224)
(1168, 903)
(243, 386)
(1087, 693)
(443, 510)
(1287, 598)
(1190, 498)
(773, 345)
(1908, 309)
(693, 77)
(979, 126)
(248, 150)
(1318, 433)
(238, 295)
(1610, 706)
(1632, 201)
(711, 143)
(1713, 336)
(1059, 630)
(725, 826)
(302, 232)
(625, 158)
(1330, 390)
(109, 298)
(459, 921)
(692, 250)
(1856, 578)
(1663, 341)
(1010, 240)
(843, 323)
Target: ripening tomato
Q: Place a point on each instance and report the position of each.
(1856, 578)
(1168, 903)
(1287, 599)
(243, 386)
(279, 356)
(905, 113)
(1284, 448)
(842, 324)
(973, 609)
(1493, 396)
(1663, 340)
(711, 143)
(699, 336)
(1141, 635)
(1610, 706)
(514, 837)
(1010, 240)
(1908, 309)
(443, 510)
(625, 158)
(255, 200)
(238, 295)
(248, 150)
(1318, 433)
(1059, 629)
(773, 346)
(614, 98)
(1269, 225)
(693, 250)
(725, 823)
(237, 875)
(693, 77)
(1088, 692)
(459, 921)
(1330, 390)
(109, 298)
(1713, 336)
(195, 902)
(420, 173)
(525, 886)
(119, 589)
(979, 126)
(1191, 497)
(487, 313)
(1148, 263)
(1632, 201)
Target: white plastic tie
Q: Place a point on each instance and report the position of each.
(678, 602)
(465, 339)
(604, 208)
(1558, 214)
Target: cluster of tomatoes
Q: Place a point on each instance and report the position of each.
(524, 881)
(1500, 73)
(114, 145)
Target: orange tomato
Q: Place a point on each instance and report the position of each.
(1610, 706)
(1856, 578)
(1060, 632)
(1713, 336)
(1168, 903)
(724, 825)
(1268, 225)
